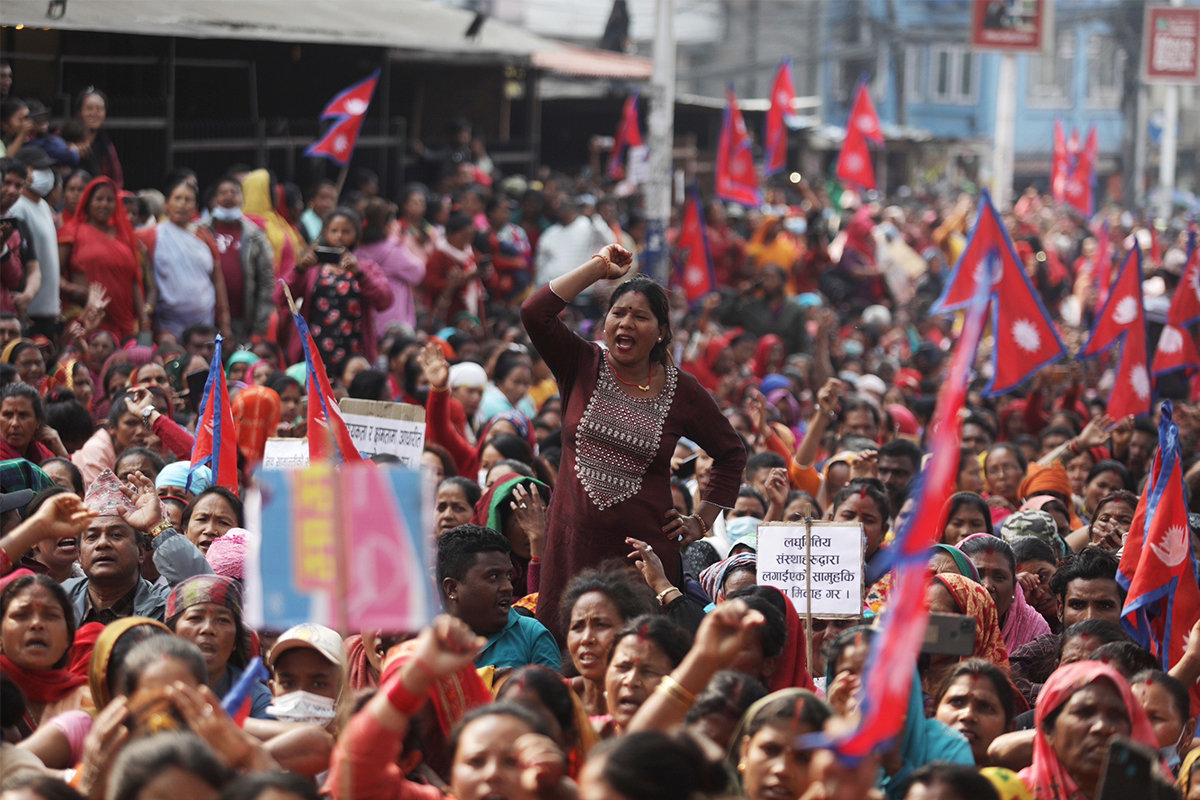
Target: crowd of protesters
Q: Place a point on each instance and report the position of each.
(603, 453)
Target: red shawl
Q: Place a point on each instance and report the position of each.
(792, 672)
(42, 685)
(762, 354)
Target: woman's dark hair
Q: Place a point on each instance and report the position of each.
(457, 223)
(651, 765)
(1031, 548)
(348, 214)
(76, 475)
(553, 697)
(964, 458)
(535, 721)
(673, 640)
(221, 491)
(152, 650)
(863, 634)
(1126, 658)
(992, 544)
(978, 668)
(960, 499)
(174, 184)
(71, 419)
(1009, 447)
(252, 785)
(449, 470)
(679, 484)
(811, 711)
(728, 694)
(512, 447)
(10, 106)
(44, 787)
(20, 389)
(156, 461)
(77, 106)
(1119, 496)
(413, 188)
(506, 363)
(120, 407)
(966, 783)
(469, 488)
(126, 643)
(376, 217)
(368, 385)
(144, 760)
(800, 494)
(773, 632)
(121, 371)
(746, 490)
(623, 587)
(660, 306)
(60, 596)
(1174, 687)
(1108, 465)
(871, 489)
(279, 382)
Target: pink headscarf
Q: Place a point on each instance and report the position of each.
(1023, 623)
(1047, 778)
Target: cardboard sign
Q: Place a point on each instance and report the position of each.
(394, 428)
(282, 453)
(1012, 26)
(820, 570)
(344, 546)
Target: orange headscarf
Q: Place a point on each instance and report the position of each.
(256, 413)
(974, 601)
(1049, 480)
(119, 219)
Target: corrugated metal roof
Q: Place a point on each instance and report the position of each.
(407, 25)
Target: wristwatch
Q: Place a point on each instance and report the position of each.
(159, 528)
(662, 596)
(146, 413)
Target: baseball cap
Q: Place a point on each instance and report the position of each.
(316, 637)
(34, 157)
(13, 500)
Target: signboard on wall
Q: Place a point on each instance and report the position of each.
(1171, 45)
(1012, 26)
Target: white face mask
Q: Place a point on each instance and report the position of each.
(41, 181)
(482, 477)
(303, 707)
(227, 214)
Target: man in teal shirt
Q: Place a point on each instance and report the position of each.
(475, 577)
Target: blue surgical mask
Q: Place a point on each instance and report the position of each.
(41, 181)
(226, 214)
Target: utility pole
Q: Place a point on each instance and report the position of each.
(1004, 137)
(1170, 143)
(661, 142)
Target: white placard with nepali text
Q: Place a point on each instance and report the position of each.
(394, 428)
(824, 567)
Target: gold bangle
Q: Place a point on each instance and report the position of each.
(663, 594)
(677, 691)
(703, 526)
(607, 264)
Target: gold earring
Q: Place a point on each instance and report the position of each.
(741, 768)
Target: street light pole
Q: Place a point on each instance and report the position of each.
(661, 141)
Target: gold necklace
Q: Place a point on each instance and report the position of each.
(649, 383)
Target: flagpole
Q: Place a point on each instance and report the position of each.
(341, 179)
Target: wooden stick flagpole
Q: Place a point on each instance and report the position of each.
(808, 628)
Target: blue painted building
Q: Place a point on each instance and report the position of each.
(950, 91)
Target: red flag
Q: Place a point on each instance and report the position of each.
(1081, 179)
(1123, 319)
(1155, 248)
(1058, 165)
(694, 261)
(889, 676)
(1026, 339)
(863, 118)
(854, 165)
(1102, 265)
(352, 102)
(339, 141)
(736, 179)
(349, 108)
(326, 428)
(783, 93)
(216, 437)
(1176, 348)
(1163, 599)
(629, 134)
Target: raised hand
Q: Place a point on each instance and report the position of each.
(725, 632)
(447, 645)
(619, 261)
(148, 511)
(63, 516)
(530, 513)
(437, 369)
(649, 564)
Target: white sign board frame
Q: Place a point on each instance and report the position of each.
(818, 565)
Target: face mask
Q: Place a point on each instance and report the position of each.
(797, 226)
(227, 214)
(482, 479)
(1171, 756)
(41, 181)
(303, 707)
(852, 348)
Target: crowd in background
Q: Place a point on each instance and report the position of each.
(574, 657)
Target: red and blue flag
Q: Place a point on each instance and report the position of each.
(215, 446)
(1176, 348)
(854, 160)
(888, 677)
(1079, 189)
(775, 135)
(237, 702)
(327, 430)
(694, 263)
(736, 178)
(1059, 164)
(1026, 339)
(349, 109)
(1122, 320)
(629, 134)
(1157, 570)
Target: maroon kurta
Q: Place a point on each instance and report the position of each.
(615, 477)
